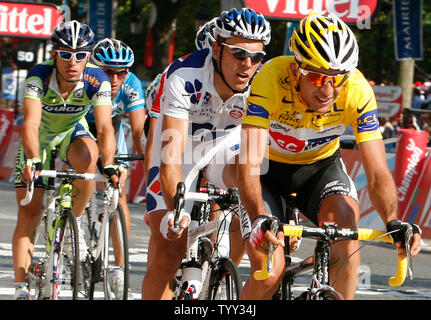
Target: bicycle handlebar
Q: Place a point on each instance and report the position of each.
(71, 174)
(129, 157)
(333, 234)
(208, 193)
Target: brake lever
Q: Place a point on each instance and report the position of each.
(273, 228)
(408, 236)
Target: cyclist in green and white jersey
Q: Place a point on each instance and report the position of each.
(57, 96)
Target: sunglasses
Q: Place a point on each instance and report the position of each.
(67, 55)
(242, 54)
(319, 79)
(111, 72)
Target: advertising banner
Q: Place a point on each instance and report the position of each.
(350, 11)
(389, 99)
(28, 20)
(100, 18)
(408, 29)
(410, 160)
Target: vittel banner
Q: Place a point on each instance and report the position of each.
(28, 20)
(350, 11)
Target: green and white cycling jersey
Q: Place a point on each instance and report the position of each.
(59, 115)
(63, 120)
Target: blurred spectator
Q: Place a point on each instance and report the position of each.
(409, 120)
(388, 131)
(426, 125)
(427, 103)
(386, 127)
(417, 100)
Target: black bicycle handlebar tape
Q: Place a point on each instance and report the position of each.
(179, 202)
(129, 157)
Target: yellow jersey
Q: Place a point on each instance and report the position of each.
(297, 135)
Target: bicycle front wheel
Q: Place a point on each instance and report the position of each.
(116, 258)
(65, 277)
(225, 281)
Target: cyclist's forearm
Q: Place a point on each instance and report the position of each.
(253, 146)
(30, 141)
(107, 145)
(170, 175)
(250, 192)
(137, 121)
(383, 197)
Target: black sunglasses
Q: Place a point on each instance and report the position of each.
(242, 53)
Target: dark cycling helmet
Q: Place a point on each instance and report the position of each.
(205, 36)
(112, 53)
(73, 35)
(245, 23)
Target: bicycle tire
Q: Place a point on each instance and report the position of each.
(68, 263)
(37, 270)
(225, 280)
(109, 265)
(91, 269)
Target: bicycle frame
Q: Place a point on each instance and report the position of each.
(198, 229)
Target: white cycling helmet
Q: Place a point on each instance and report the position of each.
(245, 23)
(205, 37)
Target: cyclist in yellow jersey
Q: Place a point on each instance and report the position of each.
(299, 105)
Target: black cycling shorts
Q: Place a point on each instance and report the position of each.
(311, 182)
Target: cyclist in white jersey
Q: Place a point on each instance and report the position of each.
(202, 104)
(57, 96)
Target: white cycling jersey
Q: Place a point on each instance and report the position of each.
(189, 94)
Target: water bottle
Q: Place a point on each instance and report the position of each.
(191, 281)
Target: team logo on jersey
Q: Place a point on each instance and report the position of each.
(79, 93)
(285, 83)
(326, 119)
(287, 142)
(194, 90)
(254, 110)
(91, 80)
(236, 114)
(292, 119)
(368, 121)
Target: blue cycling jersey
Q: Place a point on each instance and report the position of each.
(131, 97)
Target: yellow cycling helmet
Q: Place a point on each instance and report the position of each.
(325, 42)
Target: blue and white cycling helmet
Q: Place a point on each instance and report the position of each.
(113, 53)
(205, 37)
(73, 35)
(245, 23)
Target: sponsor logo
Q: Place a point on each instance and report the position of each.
(91, 80)
(411, 172)
(294, 145)
(359, 110)
(236, 114)
(368, 121)
(79, 93)
(194, 90)
(64, 109)
(255, 110)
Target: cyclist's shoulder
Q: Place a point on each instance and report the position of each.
(195, 61)
(94, 75)
(42, 70)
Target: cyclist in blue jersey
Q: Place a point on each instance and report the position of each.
(115, 58)
(128, 95)
(57, 96)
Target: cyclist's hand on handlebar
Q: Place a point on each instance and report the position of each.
(115, 173)
(167, 229)
(398, 236)
(31, 164)
(261, 234)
